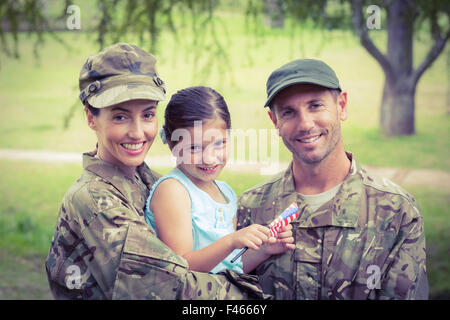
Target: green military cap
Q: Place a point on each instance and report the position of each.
(119, 73)
(301, 71)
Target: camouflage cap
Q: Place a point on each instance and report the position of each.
(301, 71)
(119, 73)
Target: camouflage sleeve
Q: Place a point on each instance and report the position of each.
(243, 217)
(150, 270)
(405, 276)
(122, 256)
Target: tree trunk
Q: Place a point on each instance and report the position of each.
(397, 107)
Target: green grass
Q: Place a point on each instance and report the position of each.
(31, 193)
(434, 205)
(23, 277)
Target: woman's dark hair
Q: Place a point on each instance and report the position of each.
(95, 111)
(194, 104)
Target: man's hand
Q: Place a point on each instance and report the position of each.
(282, 242)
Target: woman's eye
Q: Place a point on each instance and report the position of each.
(118, 117)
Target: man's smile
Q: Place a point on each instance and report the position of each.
(309, 139)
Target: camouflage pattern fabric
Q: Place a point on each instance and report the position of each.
(118, 73)
(103, 249)
(371, 229)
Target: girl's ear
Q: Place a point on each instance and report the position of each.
(90, 119)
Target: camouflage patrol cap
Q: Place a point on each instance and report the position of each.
(301, 71)
(119, 73)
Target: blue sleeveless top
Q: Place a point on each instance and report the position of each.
(210, 220)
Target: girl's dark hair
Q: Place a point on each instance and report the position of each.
(194, 104)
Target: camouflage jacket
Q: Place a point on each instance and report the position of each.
(103, 249)
(367, 242)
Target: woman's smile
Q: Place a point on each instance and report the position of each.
(134, 148)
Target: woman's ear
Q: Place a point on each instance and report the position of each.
(90, 119)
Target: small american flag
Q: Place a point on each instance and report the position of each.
(287, 216)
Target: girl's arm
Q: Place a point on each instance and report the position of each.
(171, 206)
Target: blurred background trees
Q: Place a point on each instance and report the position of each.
(401, 19)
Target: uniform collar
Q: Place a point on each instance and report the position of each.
(110, 172)
(341, 211)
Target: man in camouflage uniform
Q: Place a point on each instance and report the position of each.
(358, 236)
(102, 247)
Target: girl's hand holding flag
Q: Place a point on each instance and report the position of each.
(280, 240)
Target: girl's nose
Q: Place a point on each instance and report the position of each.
(210, 156)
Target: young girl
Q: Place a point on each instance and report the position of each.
(192, 212)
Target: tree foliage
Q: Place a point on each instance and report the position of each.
(11, 14)
(116, 20)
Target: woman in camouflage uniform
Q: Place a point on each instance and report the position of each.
(102, 248)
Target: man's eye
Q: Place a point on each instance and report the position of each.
(316, 105)
(286, 113)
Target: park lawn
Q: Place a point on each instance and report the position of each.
(31, 193)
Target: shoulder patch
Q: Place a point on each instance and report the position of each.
(104, 195)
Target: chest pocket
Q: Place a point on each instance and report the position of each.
(146, 269)
(308, 244)
(307, 261)
(359, 256)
